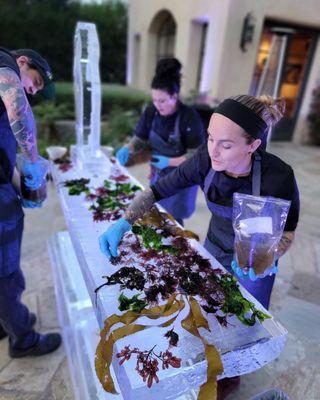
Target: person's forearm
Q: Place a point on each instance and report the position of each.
(19, 113)
(176, 161)
(136, 145)
(284, 243)
(140, 206)
(24, 129)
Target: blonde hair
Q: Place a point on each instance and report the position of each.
(268, 108)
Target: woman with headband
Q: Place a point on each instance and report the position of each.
(234, 160)
(172, 131)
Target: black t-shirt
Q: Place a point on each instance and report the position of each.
(7, 60)
(190, 125)
(277, 180)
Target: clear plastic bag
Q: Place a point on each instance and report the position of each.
(38, 195)
(258, 224)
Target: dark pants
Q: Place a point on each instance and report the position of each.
(14, 316)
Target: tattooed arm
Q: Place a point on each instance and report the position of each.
(139, 206)
(136, 145)
(176, 161)
(284, 243)
(19, 113)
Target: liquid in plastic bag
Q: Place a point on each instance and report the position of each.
(36, 195)
(258, 224)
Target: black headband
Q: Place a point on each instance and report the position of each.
(244, 117)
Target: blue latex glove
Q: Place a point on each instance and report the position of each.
(123, 155)
(34, 172)
(30, 204)
(251, 274)
(159, 162)
(110, 239)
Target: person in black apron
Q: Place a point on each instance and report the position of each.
(168, 128)
(21, 71)
(232, 161)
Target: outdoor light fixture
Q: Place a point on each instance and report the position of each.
(247, 31)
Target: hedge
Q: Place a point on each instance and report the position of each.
(113, 97)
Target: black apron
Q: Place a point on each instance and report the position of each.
(11, 212)
(182, 204)
(222, 248)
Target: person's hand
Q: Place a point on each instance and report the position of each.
(34, 173)
(30, 204)
(123, 155)
(238, 271)
(159, 162)
(110, 239)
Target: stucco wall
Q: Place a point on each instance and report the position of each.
(141, 14)
(238, 66)
(227, 70)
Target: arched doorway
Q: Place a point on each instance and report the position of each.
(162, 38)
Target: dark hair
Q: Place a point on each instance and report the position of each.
(29, 64)
(167, 76)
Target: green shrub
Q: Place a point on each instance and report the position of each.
(113, 97)
(119, 126)
(314, 118)
(48, 26)
(46, 114)
(122, 107)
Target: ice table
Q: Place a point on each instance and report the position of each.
(243, 349)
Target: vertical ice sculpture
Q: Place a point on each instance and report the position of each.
(87, 91)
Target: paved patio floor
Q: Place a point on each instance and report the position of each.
(295, 299)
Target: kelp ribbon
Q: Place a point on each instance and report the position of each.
(191, 323)
(104, 349)
(157, 218)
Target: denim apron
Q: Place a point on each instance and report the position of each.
(14, 316)
(221, 244)
(182, 204)
(11, 212)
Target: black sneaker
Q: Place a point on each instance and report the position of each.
(44, 345)
(3, 333)
(33, 319)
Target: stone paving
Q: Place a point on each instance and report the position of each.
(295, 299)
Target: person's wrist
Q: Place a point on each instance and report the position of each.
(125, 225)
(176, 161)
(34, 156)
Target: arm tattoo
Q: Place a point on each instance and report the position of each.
(19, 112)
(190, 153)
(140, 206)
(284, 243)
(136, 145)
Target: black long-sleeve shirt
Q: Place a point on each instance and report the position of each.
(190, 125)
(277, 180)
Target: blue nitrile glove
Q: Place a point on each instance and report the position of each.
(123, 155)
(251, 274)
(159, 162)
(110, 239)
(30, 204)
(237, 270)
(34, 173)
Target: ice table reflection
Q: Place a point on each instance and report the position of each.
(243, 349)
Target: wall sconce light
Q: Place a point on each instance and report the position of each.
(247, 31)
